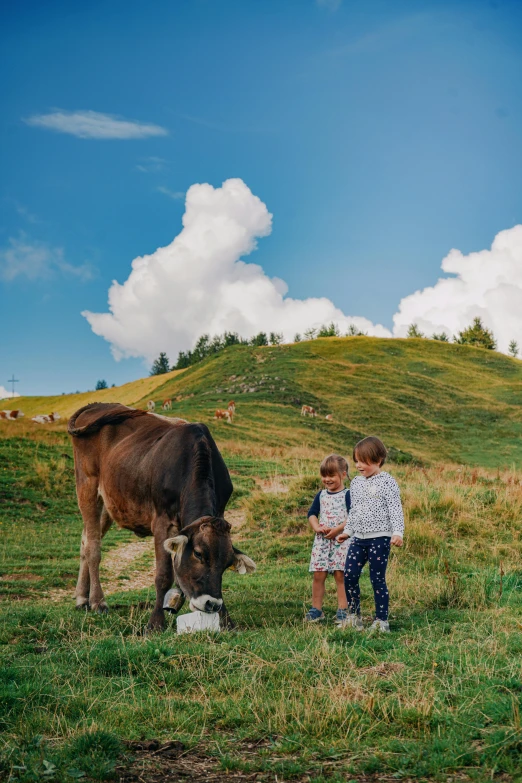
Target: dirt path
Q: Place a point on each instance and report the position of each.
(131, 566)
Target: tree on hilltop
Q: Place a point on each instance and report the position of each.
(297, 337)
(414, 331)
(476, 334)
(259, 339)
(101, 385)
(310, 333)
(441, 336)
(353, 331)
(275, 338)
(513, 349)
(160, 365)
(329, 330)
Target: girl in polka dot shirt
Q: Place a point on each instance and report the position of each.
(375, 522)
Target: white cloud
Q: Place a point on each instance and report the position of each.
(487, 284)
(93, 125)
(24, 257)
(5, 395)
(176, 194)
(198, 283)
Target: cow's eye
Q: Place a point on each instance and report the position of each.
(198, 554)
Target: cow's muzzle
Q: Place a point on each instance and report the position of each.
(206, 603)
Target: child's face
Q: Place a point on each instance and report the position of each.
(367, 469)
(334, 483)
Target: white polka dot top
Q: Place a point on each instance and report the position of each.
(376, 508)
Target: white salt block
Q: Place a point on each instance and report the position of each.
(197, 621)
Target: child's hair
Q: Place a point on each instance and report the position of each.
(370, 450)
(332, 465)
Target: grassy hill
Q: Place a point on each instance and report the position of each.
(66, 404)
(423, 398)
(89, 696)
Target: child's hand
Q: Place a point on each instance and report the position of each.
(331, 533)
(342, 537)
(396, 541)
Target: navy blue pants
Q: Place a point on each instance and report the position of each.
(375, 551)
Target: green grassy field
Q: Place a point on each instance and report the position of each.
(89, 697)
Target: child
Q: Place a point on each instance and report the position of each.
(375, 521)
(327, 516)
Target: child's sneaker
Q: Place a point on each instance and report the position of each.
(380, 626)
(352, 621)
(340, 616)
(314, 615)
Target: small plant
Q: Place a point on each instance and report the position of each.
(414, 331)
(513, 349)
(101, 385)
(160, 365)
(476, 334)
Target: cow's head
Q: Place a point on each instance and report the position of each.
(200, 554)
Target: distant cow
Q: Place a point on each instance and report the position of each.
(11, 415)
(232, 407)
(226, 415)
(307, 410)
(46, 418)
(167, 405)
(156, 478)
(151, 405)
(329, 417)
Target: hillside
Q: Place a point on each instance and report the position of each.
(66, 404)
(426, 399)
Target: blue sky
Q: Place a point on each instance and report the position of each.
(379, 135)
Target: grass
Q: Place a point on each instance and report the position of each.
(439, 699)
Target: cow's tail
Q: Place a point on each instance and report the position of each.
(115, 415)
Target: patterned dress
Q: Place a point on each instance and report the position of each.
(332, 509)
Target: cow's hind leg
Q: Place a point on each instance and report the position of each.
(96, 522)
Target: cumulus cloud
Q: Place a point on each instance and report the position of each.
(94, 125)
(200, 284)
(24, 257)
(487, 284)
(6, 395)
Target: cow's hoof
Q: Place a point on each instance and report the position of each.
(101, 609)
(83, 606)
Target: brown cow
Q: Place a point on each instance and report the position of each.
(307, 410)
(167, 405)
(232, 407)
(161, 479)
(226, 415)
(329, 417)
(46, 418)
(11, 415)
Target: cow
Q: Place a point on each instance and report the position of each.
(329, 417)
(11, 415)
(226, 415)
(232, 407)
(157, 477)
(307, 410)
(167, 405)
(151, 405)
(46, 418)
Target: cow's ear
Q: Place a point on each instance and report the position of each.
(242, 563)
(175, 545)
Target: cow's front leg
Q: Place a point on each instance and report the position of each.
(163, 580)
(226, 623)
